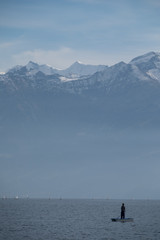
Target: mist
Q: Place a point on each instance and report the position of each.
(65, 161)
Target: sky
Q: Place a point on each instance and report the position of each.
(61, 32)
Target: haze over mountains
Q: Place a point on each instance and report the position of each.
(68, 132)
(123, 94)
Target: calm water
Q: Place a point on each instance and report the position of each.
(77, 219)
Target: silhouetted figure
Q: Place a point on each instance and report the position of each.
(123, 211)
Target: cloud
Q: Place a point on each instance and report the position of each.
(56, 58)
(60, 58)
(64, 57)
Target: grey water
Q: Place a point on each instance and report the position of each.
(75, 219)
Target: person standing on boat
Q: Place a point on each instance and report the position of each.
(123, 209)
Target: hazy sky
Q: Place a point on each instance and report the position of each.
(92, 31)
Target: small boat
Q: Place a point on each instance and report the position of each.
(122, 220)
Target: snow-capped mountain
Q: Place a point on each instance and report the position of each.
(123, 94)
(32, 68)
(76, 70)
(149, 64)
(79, 69)
(143, 68)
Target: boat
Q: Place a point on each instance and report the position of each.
(122, 220)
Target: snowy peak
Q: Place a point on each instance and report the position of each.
(151, 57)
(149, 64)
(33, 68)
(145, 58)
(145, 67)
(79, 69)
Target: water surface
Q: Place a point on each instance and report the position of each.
(56, 219)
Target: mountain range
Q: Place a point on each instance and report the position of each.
(123, 94)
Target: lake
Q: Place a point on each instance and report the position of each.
(75, 219)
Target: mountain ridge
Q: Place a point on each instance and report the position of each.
(77, 69)
(145, 67)
(120, 95)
